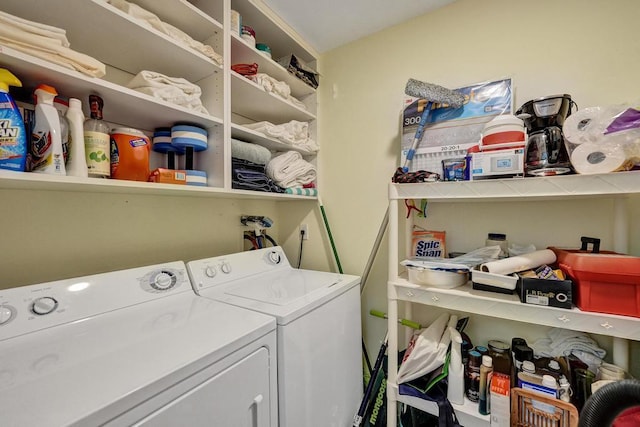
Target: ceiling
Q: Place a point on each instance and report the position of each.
(327, 24)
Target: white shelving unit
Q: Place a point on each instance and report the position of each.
(126, 46)
(615, 185)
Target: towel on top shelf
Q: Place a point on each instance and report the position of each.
(151, 20)
(46, 42)
(293, 133)
(175, 90)
(289, 169)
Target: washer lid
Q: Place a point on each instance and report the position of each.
(286, 294)
(90, 371)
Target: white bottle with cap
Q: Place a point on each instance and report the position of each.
(550, 382)
(77, 161)
(564, 391)
(46, 138)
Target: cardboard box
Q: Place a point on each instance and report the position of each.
(552, 293)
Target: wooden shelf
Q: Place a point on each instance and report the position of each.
(122, 105)
(104, 30)
(35, 181)
(514, 189)
(250, 135)
(250, 100)
(243, 53)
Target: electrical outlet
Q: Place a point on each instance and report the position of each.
(304, 228)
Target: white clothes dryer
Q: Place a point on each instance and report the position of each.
(133, 347)
(319, 329)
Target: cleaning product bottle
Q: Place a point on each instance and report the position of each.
(46, 142)
(13, 138)
(77, 161)
(484, 406)
(62, 106)
(96, 141)
(455, 377)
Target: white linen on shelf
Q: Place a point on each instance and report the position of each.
(289, 170)
(175, 90)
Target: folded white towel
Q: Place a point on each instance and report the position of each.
(37, 28)
(276, 87)
(53, 49)
(151, 20)
(176, 90)
(289, 169)
(293, 133)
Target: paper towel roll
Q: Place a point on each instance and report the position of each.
(592, 158)
(585, 125)
(520, 262)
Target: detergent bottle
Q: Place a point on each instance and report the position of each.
(13, 138)
(46, 141)
(76, 161)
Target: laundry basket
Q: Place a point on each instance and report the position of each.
(531, 409)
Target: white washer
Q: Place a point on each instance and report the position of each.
(133, 347)
(319, 334)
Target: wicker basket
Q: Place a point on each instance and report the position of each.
(531, 409)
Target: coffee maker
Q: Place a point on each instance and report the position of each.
(545, 152)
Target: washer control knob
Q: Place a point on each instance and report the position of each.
(7, 313)
(210, 271)
(225, 267)
(44, 305)
(164, 280)
(275, 257)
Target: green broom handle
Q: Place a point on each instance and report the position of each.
(333, 245)
(404, 322)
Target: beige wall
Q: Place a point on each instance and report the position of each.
(588, 49)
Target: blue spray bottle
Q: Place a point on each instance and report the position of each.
(13, 138)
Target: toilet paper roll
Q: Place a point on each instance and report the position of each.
(592, 158)
(520, 262)
(586, 125)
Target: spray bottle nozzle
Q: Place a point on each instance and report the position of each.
(8, 79)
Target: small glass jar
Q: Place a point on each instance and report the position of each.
(500, 352)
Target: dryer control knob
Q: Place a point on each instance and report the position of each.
(44, 305)
(7, 313)
(210, 271)
(164, 280)
(274, 257)
(225, 267)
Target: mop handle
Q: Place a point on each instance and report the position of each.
(418, 136)
(404, 322)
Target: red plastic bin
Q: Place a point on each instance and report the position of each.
(605, 282)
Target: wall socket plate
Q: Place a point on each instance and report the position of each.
(305, 228)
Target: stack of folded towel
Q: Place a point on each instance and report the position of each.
(46, 42)
(289, 170)
(151, 20)
(175, 90)
(276, 87)
(293, 133)
(248, 167)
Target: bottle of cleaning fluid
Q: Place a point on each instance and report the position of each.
(46, 141)
(77, 161)
(486, 369)
(97, 143)
(62, 106)
(13, 138)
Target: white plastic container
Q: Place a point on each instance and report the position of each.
(46, 136)
(438, 278)
(77, 161)
(504, 131)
